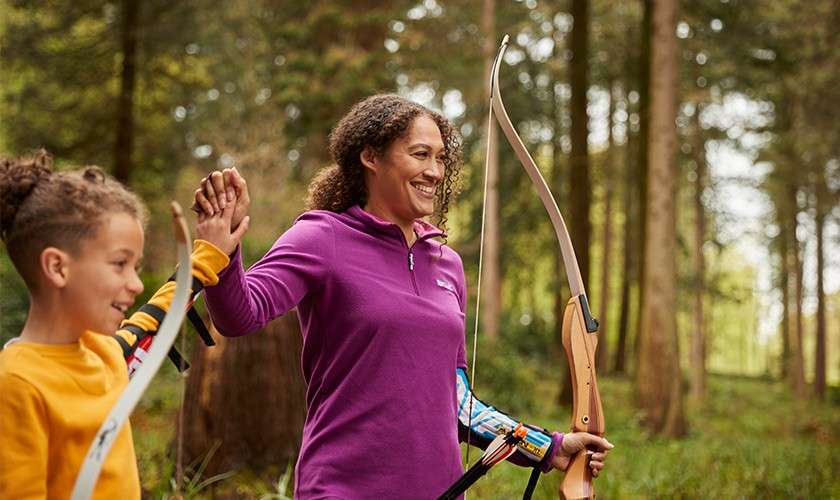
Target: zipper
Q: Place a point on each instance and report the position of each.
(411, 271)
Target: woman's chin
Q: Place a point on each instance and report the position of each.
(423, 209)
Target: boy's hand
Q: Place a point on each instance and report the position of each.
(216, 229)
(221, 188)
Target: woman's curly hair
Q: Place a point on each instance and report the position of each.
(40, 208)
(376, 122)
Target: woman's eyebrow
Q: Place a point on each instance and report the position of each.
(424, 145)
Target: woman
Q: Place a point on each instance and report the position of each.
(382, 307)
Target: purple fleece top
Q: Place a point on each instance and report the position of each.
(383, 333)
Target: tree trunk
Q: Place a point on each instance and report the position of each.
(698, 339)
(491, 279)
(820, 348)
(798, 367)
(125, 104)
(646, 69)
(658, 376)
(560, 190)
(580, 191)
(603, 353)
(629, 250)
(247, 396)
(784, 284)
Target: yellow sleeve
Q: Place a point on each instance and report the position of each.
(24, 434)
(208, 261)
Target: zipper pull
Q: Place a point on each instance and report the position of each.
(410, 260)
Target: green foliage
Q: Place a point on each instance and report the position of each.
(62, 63)
(14, 300)
(259, 85)
(751, 441)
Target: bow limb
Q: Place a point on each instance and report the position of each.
(101, 445)
(579, 326)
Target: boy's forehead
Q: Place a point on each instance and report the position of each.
(118, 233)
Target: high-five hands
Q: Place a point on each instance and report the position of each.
(220, 188)
(222, 204)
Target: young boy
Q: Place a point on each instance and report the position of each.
(76, 238)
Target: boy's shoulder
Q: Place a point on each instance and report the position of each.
(50, 366)
(19, 366)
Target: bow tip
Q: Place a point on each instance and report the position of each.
(176, 209)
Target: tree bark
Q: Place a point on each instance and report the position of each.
(629, 250)
(798, 368)
(603, 353)
(646, 70)
(580, 192)
(820, 348)
(247, 394)
(125, 104)
(491, 279)
(659, 377)
(784, 284)
(698, 339)
(561, 191)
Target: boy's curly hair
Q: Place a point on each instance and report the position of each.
(40, 208)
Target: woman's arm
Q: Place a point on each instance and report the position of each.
(537, 449)
(296, 265)
(540, 448)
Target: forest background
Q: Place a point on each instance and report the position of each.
(694, 150)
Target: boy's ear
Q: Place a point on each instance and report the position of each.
(55, 265)
(368, 158)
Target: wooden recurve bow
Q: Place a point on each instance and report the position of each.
(580, 328)
(110, 429)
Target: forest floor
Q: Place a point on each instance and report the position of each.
(751, 439)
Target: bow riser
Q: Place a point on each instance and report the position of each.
(587, 413)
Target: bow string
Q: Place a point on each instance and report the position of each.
(579, 328)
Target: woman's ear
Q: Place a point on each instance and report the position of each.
(55, 266)
(368, 158)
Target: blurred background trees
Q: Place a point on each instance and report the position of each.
(708, 233)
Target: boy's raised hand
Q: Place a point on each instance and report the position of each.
(216, 228)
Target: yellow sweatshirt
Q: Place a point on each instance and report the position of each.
(53, 399)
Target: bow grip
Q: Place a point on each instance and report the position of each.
(580, 343)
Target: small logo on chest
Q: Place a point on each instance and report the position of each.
(446, 285)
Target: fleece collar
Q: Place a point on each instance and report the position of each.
(422, 229)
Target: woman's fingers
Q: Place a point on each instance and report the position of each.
(591, 440)
(217, 181)
(230, 192)
(239, 184)
(202, 204)
(210, 194)
(596, 462)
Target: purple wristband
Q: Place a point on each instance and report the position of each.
(556, 444)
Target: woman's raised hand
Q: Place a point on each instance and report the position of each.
(218, 190)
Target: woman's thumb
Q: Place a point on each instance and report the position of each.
(243, 227)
